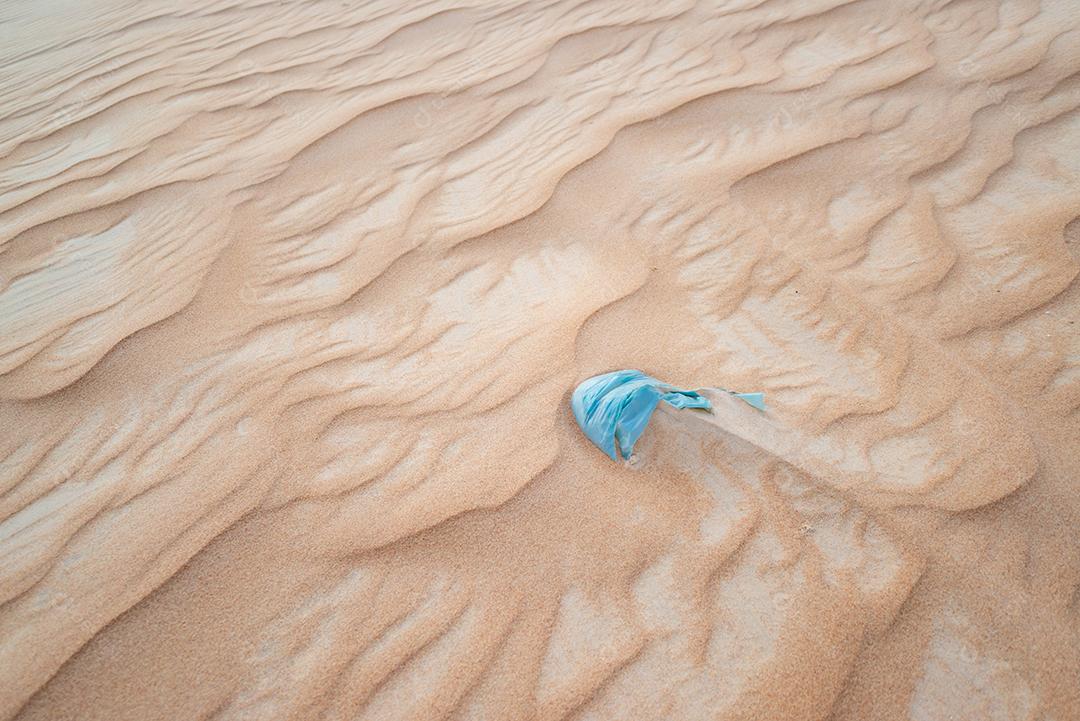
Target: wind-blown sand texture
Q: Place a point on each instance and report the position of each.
(294, 294)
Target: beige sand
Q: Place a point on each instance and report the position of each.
(293, 296)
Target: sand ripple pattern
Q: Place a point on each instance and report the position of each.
(293, 294)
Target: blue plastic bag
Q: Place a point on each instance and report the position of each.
(614, 408)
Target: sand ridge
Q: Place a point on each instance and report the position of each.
(293, 296)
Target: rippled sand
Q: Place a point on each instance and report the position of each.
(293, 296)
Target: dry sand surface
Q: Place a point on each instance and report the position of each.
(293, 296)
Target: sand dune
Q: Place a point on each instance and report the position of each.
(293, 296)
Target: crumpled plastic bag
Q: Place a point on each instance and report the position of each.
(614, 408)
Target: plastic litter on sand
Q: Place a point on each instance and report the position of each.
(614, 408)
